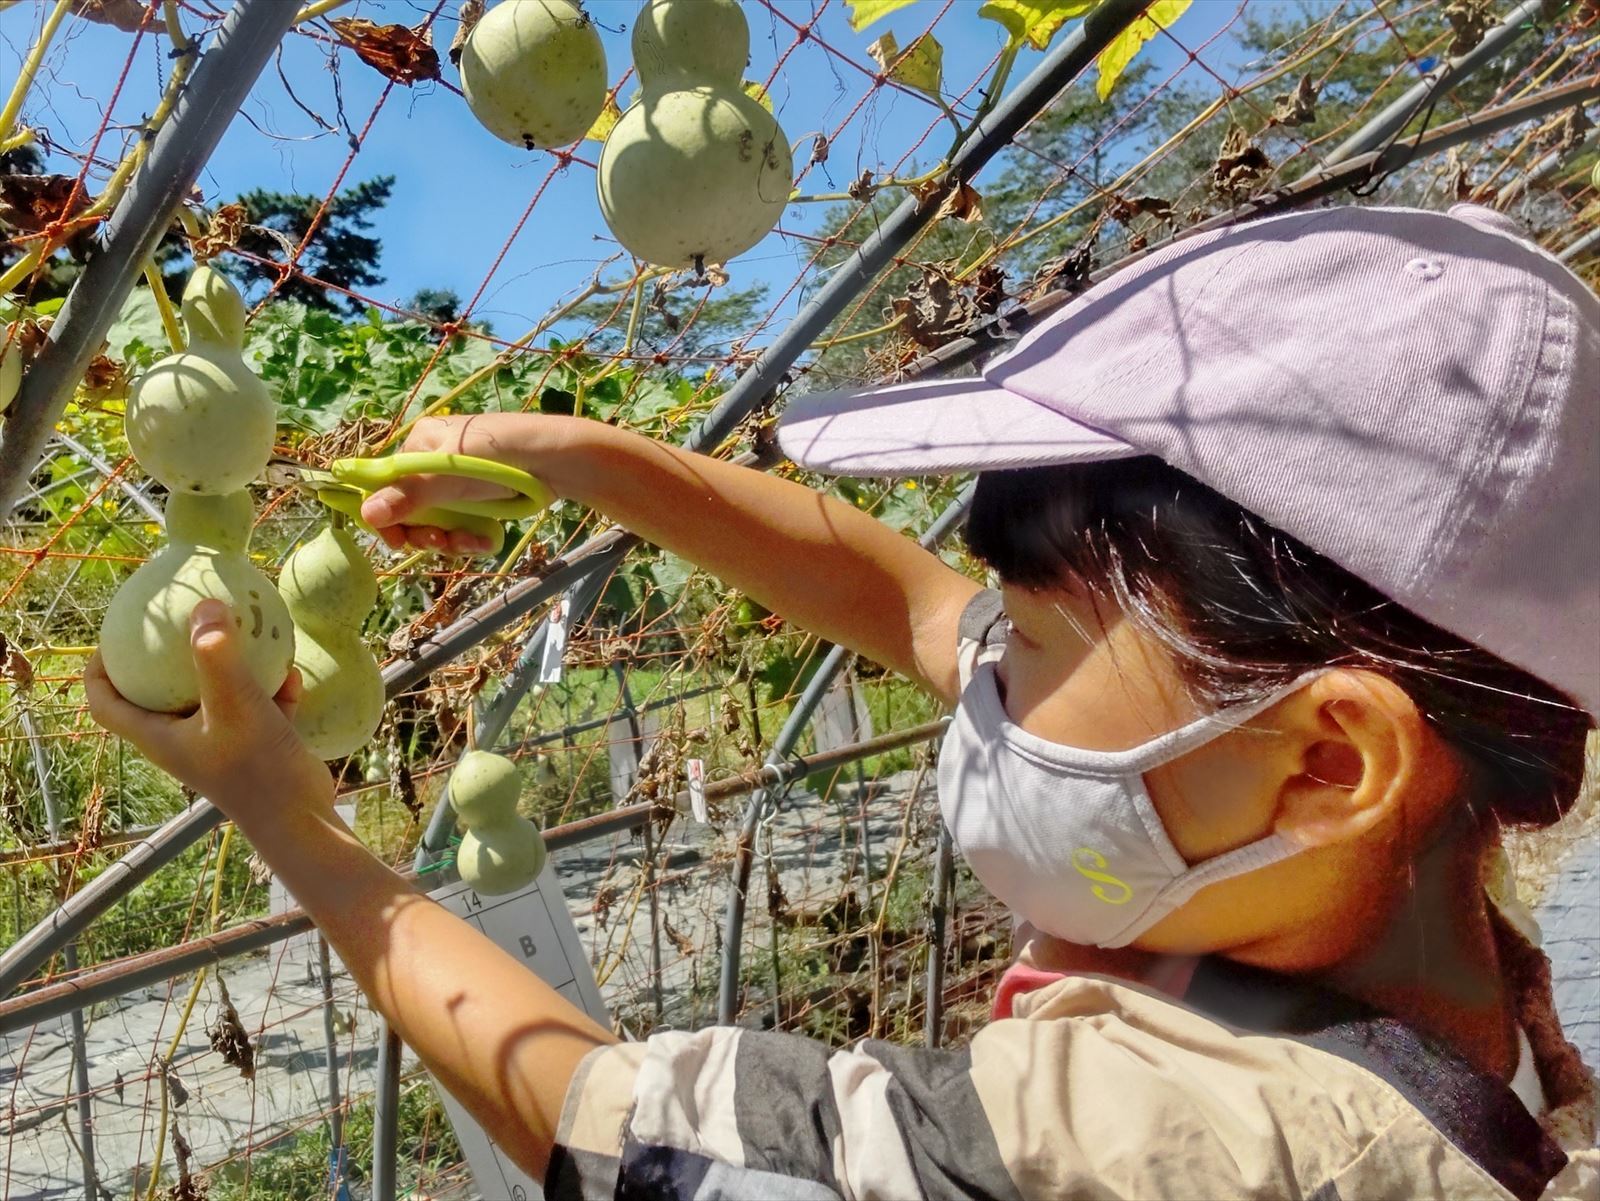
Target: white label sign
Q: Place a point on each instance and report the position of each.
(536, 928)
(697, 789)
(555, 641)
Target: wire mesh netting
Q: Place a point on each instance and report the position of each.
(246, 1077)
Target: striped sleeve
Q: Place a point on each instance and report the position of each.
(726, 1112)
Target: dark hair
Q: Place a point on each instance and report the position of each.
(1245, 608)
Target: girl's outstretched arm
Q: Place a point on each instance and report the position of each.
(500, 1039)
(817, 561)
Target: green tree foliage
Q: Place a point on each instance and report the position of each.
(342, 252)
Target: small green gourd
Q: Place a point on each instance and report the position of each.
(534, 72)
(501, 851)
(200, 421)
(696, 171)
(328, 587)
(144, 638)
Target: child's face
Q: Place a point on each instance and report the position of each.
(1086, 677)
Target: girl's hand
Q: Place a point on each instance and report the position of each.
(498, 436)
(238, 750)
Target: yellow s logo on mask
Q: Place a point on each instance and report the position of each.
(1090, 864)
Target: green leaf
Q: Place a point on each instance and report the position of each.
(865, 12)
(1115, 58)
(1034, 21)
(921, 66)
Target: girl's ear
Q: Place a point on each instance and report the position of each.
(1365, 755)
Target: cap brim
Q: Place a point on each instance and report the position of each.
(934, 426)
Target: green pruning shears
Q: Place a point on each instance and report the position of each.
(347, 482)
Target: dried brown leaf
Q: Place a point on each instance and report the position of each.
(1298, 107)
(989, 289)
(933, 310)
(961, 201)
(398, 52)
(105, 379)
(863, 189)
(1240, 164)
(1469, 21)
(17, 669)
(35, 203)
(222, 233)
(126, 15)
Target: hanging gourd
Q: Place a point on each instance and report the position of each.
(501, 851)
(199, 420)
(329, 589)
(534, 72)
(696, 171)
(144, 638)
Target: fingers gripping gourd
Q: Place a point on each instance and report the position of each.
(501, 851)
(199, 420)
(697, 171)
(144, 639)
(329, 588)
(534, 72)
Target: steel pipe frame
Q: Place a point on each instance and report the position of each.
(1581, 247)
(105, 983)
(205, 108)
(1418, 96)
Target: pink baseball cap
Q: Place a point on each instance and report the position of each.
(1415, 395)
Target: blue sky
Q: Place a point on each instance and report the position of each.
(460, 192)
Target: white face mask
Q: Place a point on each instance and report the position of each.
(1068, 838)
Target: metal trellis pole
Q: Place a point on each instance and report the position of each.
(203, 112)
(1418, 96)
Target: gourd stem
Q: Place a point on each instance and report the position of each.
(30, 68)
(312, 11)
(510, 560)
(169, 315)
(23, 267)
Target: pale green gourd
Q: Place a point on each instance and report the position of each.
(501, 851)
(534, 72)
(144, 638)
(200, 421)
(697, 171)
(328, 587)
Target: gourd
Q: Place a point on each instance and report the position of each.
(501, 851)
(534, 72)
(144, 638)
(199, 420)
(696, 171)
(328, 588)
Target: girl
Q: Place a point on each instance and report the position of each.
(1299, 605)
